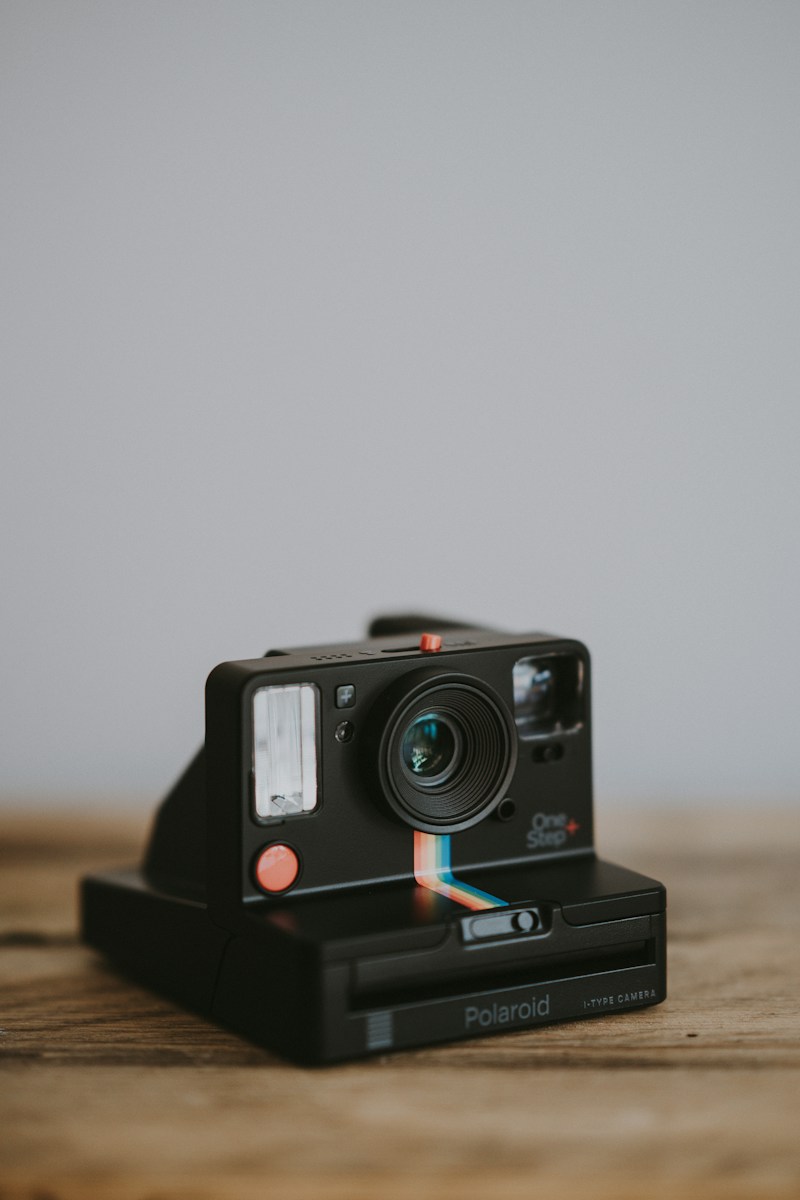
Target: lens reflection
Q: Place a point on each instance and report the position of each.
(431, 749)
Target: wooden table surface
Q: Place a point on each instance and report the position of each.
(109, 1091)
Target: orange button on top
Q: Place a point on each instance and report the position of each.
(430, 641)
(277, 867)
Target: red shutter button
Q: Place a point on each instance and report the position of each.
(277, 867)
(430, 642)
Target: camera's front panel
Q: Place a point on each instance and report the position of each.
(358, 765)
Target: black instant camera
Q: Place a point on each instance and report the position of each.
(388, 844)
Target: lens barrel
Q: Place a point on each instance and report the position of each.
(447, 752)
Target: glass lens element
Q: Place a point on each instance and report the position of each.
(285, 749)
(430, 749)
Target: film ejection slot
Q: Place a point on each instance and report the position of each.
(503, 924)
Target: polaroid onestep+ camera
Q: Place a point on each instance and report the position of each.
(388, 844)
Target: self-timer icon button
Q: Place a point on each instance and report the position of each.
(345, 695)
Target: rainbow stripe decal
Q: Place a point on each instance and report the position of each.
(432, 871)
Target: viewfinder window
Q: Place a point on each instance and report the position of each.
(548, 694)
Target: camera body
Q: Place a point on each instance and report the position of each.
(387, 844)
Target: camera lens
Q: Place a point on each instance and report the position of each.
(431, 749)
(446, 750)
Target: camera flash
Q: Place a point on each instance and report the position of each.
(285, 750)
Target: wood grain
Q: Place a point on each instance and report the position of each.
(109, 1091)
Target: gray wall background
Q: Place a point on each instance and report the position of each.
(315, 309)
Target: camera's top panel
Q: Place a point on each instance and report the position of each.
(422, 644)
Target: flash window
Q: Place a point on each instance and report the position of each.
(285, 750)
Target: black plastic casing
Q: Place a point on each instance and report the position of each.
(356, 957)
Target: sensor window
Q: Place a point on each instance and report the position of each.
(285, 750)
